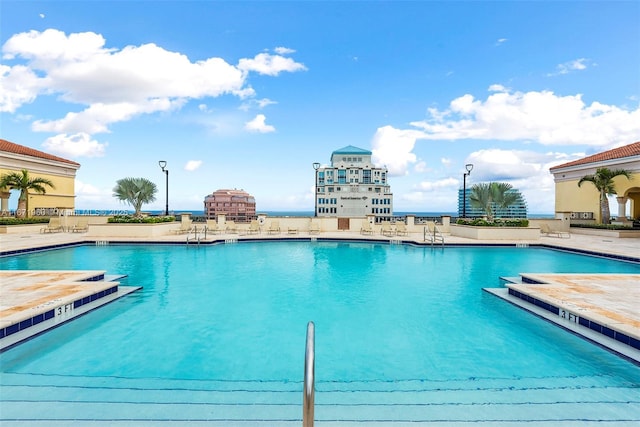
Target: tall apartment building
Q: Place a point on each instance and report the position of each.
(352, 186)
(236, 205)
(515, 210)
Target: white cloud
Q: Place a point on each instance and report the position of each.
(270, 65)
(501, 41)
(192, 165)
(451, 183)
(569, 66)
(393, 149)
(421, 167)
(445, 161)
(259, 103)
(258, 125)
(117, 84)
(284, 50)
(76, 145)
(542, 117)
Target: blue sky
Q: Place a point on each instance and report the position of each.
(249, 94)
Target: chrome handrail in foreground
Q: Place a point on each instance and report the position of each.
(309, 380)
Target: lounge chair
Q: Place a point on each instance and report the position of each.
(81, 225)
(231, 227)
(274, 227)
(551, 231)
(254, 227)
(387, 229)
(366, 228)
(314, 227)
(54, 226)
(185, 227)
(401, 228)
(292, 230)
(212, 227)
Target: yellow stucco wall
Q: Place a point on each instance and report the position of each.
(571, 198)
(62, 196)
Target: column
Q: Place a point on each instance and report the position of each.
(622, 204)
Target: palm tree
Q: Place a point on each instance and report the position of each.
(603, 181)
(492, 195)
(135, 191)
(24, 182)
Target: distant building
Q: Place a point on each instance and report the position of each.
(583, 202)
(515, 210)
(236, 205)
(352, 186)
(61, 172)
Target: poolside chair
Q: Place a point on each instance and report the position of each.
(185, 227)
(212, 227)
(551, 231)
(387, 229)
(401, 228)
(366, 228)
(314, 227)
(292, 230)
(54, 226)
(231, 227)
(254, 227)
(81, 225)
(274, 227)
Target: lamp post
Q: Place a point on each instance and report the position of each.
(163, 164)
(316, 166)
(469, 168)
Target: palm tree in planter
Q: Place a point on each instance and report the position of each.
(24, 182)
(136, 192)
(603, 181)
(488, 196)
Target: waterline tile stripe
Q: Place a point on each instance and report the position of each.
(39, 318)
(594, 326)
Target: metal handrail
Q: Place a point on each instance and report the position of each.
(437, 236)
(309, 378)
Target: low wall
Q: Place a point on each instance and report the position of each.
(606, 233)
(131, 230)
(495, 233)
(21, 228)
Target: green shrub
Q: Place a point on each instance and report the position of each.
(481, 222)
(603, 226)
(130, 219)
(18, 221)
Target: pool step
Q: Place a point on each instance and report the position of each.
(54, 400)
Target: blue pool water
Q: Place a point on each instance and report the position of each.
(391, 314)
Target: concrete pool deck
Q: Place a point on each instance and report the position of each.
(593, 305)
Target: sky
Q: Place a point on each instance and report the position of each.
(249, 95)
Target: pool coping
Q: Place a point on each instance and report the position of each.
(92, 242)
(55, 297)
(569, 323)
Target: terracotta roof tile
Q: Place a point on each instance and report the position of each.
(617, 153)
(14, 148)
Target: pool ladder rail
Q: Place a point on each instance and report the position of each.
(309, 378)
(433, 236)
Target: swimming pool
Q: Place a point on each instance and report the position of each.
(395, 325)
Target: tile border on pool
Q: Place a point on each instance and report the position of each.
(52, 309)
(575, 316)
(377, 240)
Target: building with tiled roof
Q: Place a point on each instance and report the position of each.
(62, 173)
(583, 202)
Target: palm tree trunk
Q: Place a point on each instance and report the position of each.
(604, 208)
(22, 209)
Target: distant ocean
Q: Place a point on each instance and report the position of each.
(310, 213)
